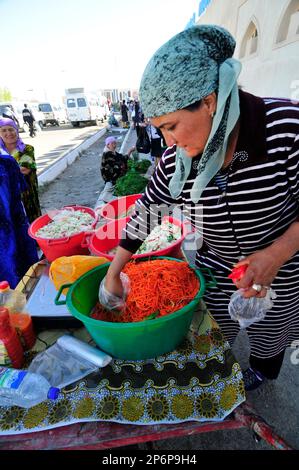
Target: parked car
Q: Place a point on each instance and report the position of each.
(16, 111)
(54, 114)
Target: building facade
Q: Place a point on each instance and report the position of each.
(267, 36)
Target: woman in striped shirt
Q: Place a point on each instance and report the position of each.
(232, 165)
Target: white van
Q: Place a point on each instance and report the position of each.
(37, 114)
(83, 107)
(54, 114)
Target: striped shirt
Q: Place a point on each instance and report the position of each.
(256, 204)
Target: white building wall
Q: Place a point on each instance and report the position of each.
(273, 70)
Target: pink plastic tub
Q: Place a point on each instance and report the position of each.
(117, 208)
(107, 237)
(67, 246)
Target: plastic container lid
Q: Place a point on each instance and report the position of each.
(4, 285)
(53, 393)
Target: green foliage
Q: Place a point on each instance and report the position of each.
(5, 94)
(131, 183)
(140, 166)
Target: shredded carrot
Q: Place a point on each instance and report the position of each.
(157, 288)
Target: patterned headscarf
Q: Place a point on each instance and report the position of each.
(9, 122)
(188, 67)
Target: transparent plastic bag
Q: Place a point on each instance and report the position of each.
(67, 361)
(250, 310)
(111, 301)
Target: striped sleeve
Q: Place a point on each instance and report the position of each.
(155, 203)
(283, 139)
(293, 168)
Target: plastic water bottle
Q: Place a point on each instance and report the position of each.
(24, 389)
(12, 299)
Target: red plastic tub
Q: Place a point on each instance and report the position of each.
(117, 208)
(67, 246)
(107, 238)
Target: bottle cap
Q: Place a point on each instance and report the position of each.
(4, 285)
(53, 393)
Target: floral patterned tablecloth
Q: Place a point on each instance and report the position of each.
(199, 381)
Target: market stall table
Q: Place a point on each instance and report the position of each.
(197, 388)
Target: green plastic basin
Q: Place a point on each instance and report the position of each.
(138, 340)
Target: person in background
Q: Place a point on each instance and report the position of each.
(124, 114)
(11, 143)
(17, 250)
(232, 165)
(130, 110)
(112, 121)
(137, 116)
(157, 142)
(29, 119)
(113, 164)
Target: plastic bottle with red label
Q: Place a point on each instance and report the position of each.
(11, 350)
(15, 301)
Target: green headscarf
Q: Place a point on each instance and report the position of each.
(188, 67)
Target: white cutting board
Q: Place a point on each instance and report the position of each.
(41, 301)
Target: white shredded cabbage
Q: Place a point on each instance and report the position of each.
(65, 224)
(160, 237)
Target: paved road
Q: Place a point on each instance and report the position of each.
(52, 142)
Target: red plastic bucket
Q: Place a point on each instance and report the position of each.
(107, 238)
(117, 208)
(67, 246)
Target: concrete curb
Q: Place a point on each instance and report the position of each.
(123, 145)
(49, 174)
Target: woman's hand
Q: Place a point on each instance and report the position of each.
(131, 150)
(113, 282)
(263, 267)
(25, 171)
(114, 285)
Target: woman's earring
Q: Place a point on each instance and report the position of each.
(212, 114)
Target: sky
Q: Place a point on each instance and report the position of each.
(56, 44)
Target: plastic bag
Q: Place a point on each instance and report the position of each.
(250, 310)
(113, 302)
(143, 143)
(67, 361)
(69, 268)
